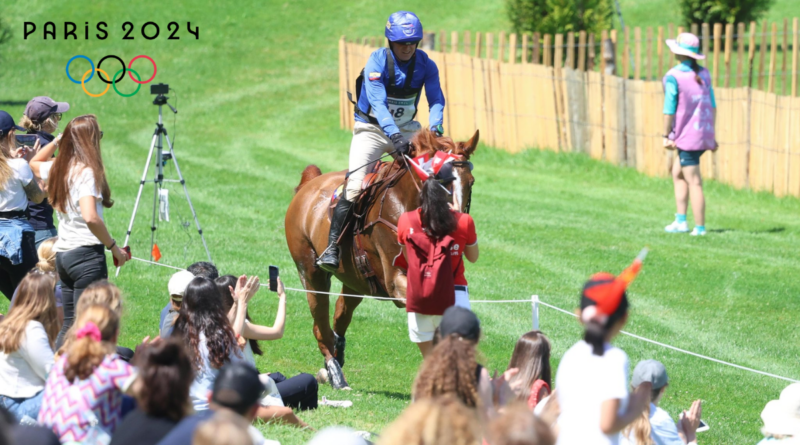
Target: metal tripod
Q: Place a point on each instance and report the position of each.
(161, 159)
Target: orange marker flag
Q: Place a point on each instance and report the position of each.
(156, 253)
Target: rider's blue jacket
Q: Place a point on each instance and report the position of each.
(373, 95)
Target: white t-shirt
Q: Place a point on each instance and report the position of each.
(72, 229)
(204, 378)
(23, 373)
(12, 195)
(44, 170)
(663, 429)
(583, 382)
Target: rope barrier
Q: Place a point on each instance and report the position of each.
(535, 301)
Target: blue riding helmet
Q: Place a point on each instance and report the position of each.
(403, 27)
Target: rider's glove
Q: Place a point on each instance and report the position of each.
(401, 144)
(438, 130)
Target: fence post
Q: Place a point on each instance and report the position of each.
(525, 48)
(772, 53)
(609, 57)
(660, 51)
(535, 311)
(717, 74)
(705, 41)
(477, 45)
(570, 44)
(785, 51)
(626, 59)
(512, 49)
(761, 56)
(637, 69)
(649, 43)
(582, 51)
(489, 45)
(547, 58)
(694, 28)
(728, 50)
(591, 53)
(740, 59)
(794, 57)
(751, 53)
(501, 45)
(454, 42)
(536, 52)
(467, 42)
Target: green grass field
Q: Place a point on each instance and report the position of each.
(257, 95)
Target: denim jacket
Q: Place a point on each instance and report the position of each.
(11, 238)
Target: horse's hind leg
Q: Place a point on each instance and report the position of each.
(320, 311)
(345, 306)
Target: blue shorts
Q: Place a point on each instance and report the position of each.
(689, 158)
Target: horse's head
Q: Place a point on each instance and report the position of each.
(426, 142)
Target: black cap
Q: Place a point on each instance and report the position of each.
(446, 173)
(237, 387)
(7, 123)
(457, 320)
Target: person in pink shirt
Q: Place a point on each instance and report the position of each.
(690, 113)
(83, 394)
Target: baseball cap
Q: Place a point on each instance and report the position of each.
(7, 123)
(41, 107)
(178, 283)
(461, 321)
(446, 174)
(237, 387)
(782, 417)
(652, 371)
(603, 294)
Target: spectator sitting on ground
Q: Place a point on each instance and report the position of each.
(439, 421)
(299, 391)
(782, 418)
(517, 425)
(165, 372)
(177, 288)
(105, 293)
(16, 434)
(532, 357)
(27, 337)
(200, 269)
(224, 428)
(84, 389)
(47, 264)
(655, 427)
(237, 389)
(592, 378)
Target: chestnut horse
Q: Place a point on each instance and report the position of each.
(307, 224)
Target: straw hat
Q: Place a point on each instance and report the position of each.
(687, 44)
(782, 417)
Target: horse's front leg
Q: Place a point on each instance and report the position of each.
(345, 306)
(320, 307)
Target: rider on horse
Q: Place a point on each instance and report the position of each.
(387, 99)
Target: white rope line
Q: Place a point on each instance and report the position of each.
(663, 345)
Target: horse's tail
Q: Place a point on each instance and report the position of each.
(311, 172)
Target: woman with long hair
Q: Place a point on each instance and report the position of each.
(532, 357)
(592, 378)
(79, 191)
(84, 389)
(17, 187)
(46, 265)
(165, 372)
(451, 369)
(434, 421)
(203, 326)
(435, 223)
(690, 114)
(27, 336)
(42, 116)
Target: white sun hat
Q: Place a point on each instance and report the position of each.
(782, 417)
(687, 44)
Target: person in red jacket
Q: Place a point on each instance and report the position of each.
(438, 217)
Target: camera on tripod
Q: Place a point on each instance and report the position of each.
(159, 88)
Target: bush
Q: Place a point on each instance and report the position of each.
(722, 11)
(559, 16)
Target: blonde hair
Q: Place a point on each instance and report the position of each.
(101, 292)
(225, 428)
(49, 125)
(47, 256)
(7, 145)
(517, 425)
(639, 429)
(443, 420)
(35, 302)
(449, 369)
(85, 354)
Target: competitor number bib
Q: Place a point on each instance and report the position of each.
(401, 109)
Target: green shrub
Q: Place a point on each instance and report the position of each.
(722, 11)
(559, 16)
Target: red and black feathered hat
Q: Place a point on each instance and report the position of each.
(603, 293)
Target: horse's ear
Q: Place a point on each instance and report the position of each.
(472, 144)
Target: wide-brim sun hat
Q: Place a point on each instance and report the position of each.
(782, 417)
(686, 44)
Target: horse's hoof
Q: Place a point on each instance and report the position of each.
(335, 375)
(339, 344)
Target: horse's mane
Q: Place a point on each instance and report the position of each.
(426, 142)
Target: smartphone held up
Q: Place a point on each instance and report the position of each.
(273, 278)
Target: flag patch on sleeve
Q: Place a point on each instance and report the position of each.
(374, 76)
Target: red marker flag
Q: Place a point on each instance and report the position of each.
(156, 253)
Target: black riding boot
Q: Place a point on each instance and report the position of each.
(329, 261)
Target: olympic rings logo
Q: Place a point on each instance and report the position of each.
(113, 79)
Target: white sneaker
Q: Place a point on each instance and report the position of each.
(335, 403)
(677, 227)
(696, 232)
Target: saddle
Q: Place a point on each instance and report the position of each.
(376, 183)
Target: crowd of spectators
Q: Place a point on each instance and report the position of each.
(65, 379)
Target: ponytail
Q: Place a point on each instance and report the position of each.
(437, 219)
(697, 68)
(596, 329)
(639, 430)
(94, 339)
(595, 335)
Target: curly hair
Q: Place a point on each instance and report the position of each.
(450, 368)
(166, 372)
(201, 313)
(444, 420)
